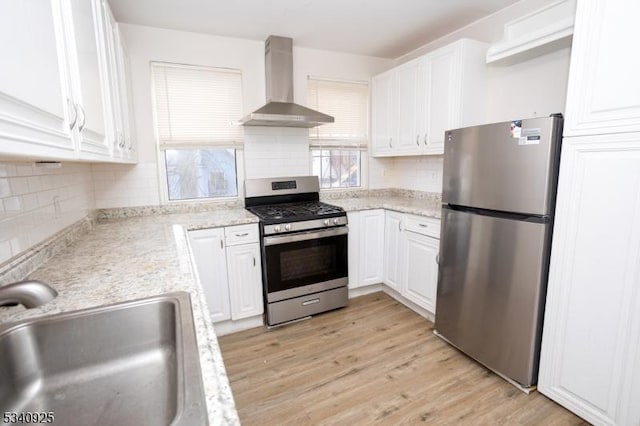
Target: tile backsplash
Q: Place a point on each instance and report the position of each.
(125, 185)
(36, 202)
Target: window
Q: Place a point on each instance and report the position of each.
(336, 148)
(195, 108)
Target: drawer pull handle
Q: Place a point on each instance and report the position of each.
(438, 258)
(244, 234)
(424, 225)
(311, 302)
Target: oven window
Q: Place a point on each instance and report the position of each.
(296, 264)
(301, 263)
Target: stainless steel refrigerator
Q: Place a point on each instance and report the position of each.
(498, 200)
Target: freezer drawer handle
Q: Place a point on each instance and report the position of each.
(311, 301)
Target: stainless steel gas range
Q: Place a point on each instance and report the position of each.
(304, 247)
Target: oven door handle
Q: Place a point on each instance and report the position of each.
(304, 236)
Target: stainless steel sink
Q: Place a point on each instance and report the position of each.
(133, 363)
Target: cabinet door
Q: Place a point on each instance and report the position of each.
(392, 249)
(354, 248)
(245, 280)
(85, 40)
(441, 93)
(589, 358)
(420, 269)
(408, 98)
(211, 263)
(382, 113)
(115, 120)
(118, 105)
(126, 103)
(604, 88)
(36, 111)
(371, 246)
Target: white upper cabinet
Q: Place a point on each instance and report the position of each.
(410, 106)
(604, 85)
(414, 103)
(36, 110)
(383, 114)
(87, 58)
(55, 95)
(119, 124)
(442, 96)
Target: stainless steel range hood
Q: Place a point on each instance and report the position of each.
(280, 110)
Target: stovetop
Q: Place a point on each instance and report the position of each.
(295, 212)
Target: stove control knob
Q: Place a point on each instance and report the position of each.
(276, 228)
(326, 222)
(287, 227)
(335, 221)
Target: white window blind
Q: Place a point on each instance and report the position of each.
(196, 106)
(348, 103)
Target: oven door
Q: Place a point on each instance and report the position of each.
(305, 262)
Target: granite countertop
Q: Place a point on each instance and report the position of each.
(132, 258)
(419, 206)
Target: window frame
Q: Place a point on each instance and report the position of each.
(162, 177)
(364, 167)
(364, 150)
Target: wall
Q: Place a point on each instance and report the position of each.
(35, 203)
(267, 152)
(536, 87)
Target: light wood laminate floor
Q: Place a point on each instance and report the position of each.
(374, 362)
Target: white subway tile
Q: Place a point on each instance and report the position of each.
(5, 251)
(24, 169)
(5, 188)
(13, 205)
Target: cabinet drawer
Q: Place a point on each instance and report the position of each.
(422, 225)
(241, 234)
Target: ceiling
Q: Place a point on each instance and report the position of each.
(382, 28)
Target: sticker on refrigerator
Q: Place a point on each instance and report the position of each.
(529, 140)
(516, 129)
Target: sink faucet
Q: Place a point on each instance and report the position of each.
(30, 293)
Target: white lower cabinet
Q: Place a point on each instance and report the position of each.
(411, 247)
(245, 280)
(392, 249)
(211, 262)
(370, 268)
(230, 271)
(420, 269)
(397, 249)
(353, 218)
(590, 357)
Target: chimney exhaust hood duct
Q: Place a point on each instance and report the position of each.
(280, 111)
